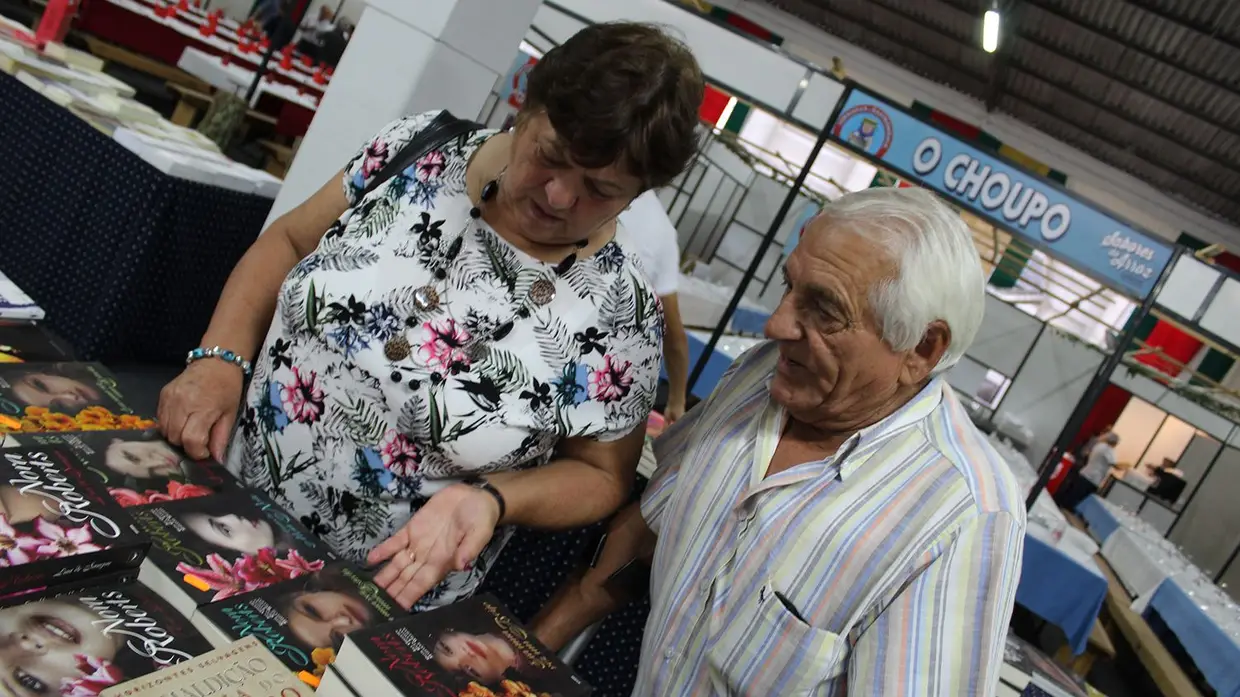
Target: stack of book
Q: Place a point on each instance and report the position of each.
(1030, 673)
(128, 556)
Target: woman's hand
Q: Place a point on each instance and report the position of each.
(197, 409)
(446, 534)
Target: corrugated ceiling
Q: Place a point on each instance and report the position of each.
(1149, 86)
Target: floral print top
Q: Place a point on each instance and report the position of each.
(351, 441)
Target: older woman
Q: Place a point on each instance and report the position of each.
(466, 347)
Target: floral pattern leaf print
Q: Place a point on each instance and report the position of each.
(353, 437)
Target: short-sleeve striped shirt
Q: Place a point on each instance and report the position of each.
(889, 568)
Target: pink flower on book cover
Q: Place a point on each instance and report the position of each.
(260, 570)
(613, 381)
(303, 400)
(180, 490)
(129, 497)
(446, 346)
(15, 546)
(219, 575)
(98, 674)
(294, 564)
(63, 542)
(399, 454)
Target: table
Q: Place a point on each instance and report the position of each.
(1200, 631)
(1099, 517)
(1062, 585)
(127, 262)
(135, 25)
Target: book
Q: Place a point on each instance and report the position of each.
(209, 548)
(36, 397)
(57, 525)
(243, 669)
(115, 578)
(303, 621)
(22, 342)
(15, 304)
(76, 645)
(474, 648)
(137, 467)
(1034, 674)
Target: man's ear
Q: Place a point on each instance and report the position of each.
(921, 361)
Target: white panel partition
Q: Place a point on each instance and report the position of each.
(1220, 317)
(1187, 286)
(818, 101)
(731, 60)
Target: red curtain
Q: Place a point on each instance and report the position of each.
(1174, 344)
(1104, 413)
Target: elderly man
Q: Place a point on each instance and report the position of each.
(829, 521)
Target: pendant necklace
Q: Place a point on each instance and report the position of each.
(428, 298)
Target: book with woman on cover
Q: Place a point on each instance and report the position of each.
(136, 467)
(474, 648)
(303, 621)
(36, 397)
(242, 669)
(57, 524)
(209, 548)
(22, 342)
(78, 644)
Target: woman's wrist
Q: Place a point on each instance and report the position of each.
(221, 354)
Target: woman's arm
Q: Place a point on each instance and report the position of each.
(587, 481)
(249, 299)
(675, 357)
(198, 408)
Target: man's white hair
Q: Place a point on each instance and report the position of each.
(939, 274)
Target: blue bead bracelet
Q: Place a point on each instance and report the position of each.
(222, 354)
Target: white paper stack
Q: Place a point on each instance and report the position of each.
(15, 304)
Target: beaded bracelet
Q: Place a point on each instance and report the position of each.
(222, 354)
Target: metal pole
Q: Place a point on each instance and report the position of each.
(1227, 564)
(765, 244)
(298, 15)
(1102, 377)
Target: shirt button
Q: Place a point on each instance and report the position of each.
(669, 654)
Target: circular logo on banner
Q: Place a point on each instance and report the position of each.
(865, 127)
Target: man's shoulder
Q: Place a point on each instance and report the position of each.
(989, 479)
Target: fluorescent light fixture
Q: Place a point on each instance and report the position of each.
(990, 31)
(727, 114)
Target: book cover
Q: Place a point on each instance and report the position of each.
(304, 621)
(77, 645)
(210, 548)
(139, 467)
(22, 342)
(115, 578)
(36, 397)
(15, 304)
(1028, 669)
(57, 525)
(243, 669)
(474, 648)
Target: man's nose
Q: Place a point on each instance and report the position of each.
(560, 194)
(32, 644)
(782, 324)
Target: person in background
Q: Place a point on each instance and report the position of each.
(646, 229)
(1096, 472)
(828, 520)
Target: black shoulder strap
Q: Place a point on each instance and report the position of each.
(442, 129)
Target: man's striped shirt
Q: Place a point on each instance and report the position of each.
(889, 568)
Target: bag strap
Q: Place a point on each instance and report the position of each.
(441, 130)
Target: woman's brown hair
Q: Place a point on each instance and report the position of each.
(621, 93)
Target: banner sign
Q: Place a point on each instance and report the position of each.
(1026, 205)
(512, 89)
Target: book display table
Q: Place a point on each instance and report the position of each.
(127, 261)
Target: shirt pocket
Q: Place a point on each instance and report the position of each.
(766, 649)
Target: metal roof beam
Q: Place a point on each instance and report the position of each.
(1112, 36)
(1205, 30)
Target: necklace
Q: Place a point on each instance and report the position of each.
(428, 298)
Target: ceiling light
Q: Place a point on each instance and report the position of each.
(990, 31)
